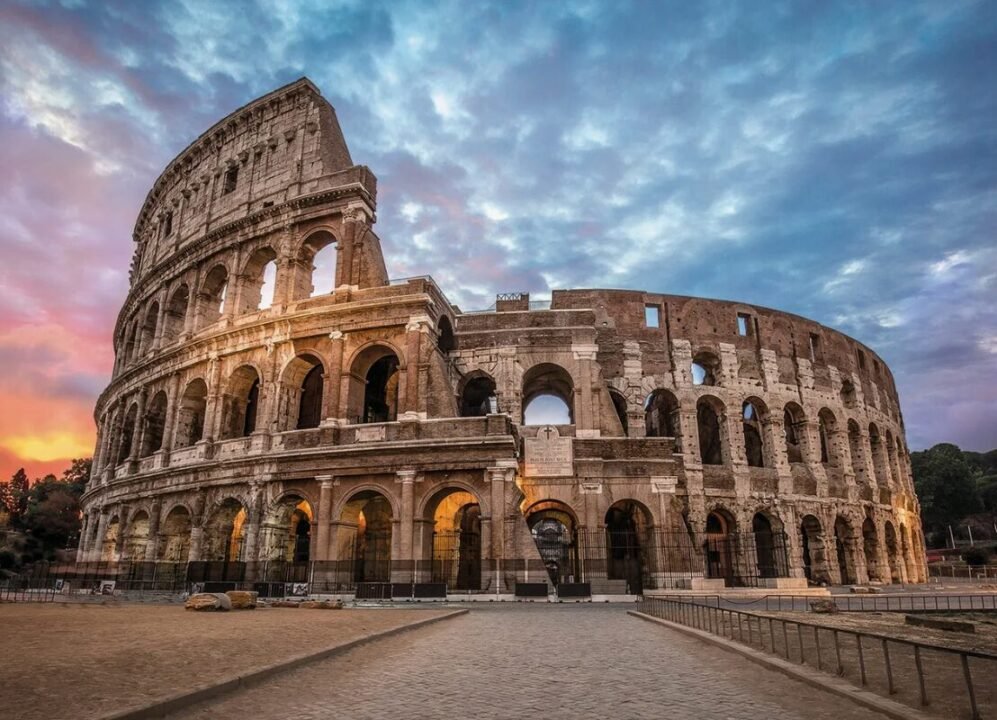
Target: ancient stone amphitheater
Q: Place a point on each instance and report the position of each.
(281, 409)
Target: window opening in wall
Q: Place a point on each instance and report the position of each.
(814, 346)
(231, 180)
(753, 444)
(168, 224)
(478, 398)
(652, 316)
(269, 283)
(861, 357)
(743, 324)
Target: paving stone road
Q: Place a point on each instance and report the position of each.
(542, 661)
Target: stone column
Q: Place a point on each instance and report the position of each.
(344, 266)
(190, 314)
(157, 340)
(98, 546)
(138, 432)
(585, 424)
(413, 341)
(81, 545)
(212, 412)
(172, 410)
(123, 529)
(330, 401)
(406, 563)
(152, 545)
(323, 515)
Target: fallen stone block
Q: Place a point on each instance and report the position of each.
(242, 599)
(208, 602)
(823, 606)
(285, 603)
(321, 605)
(941, 624)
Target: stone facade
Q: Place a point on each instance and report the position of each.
(259, 412)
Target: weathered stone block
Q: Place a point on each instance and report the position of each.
(208, 602)
(823, 606)
(242, 599)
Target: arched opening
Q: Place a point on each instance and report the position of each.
(769, 548)
(375, 375)
(287, 531)
(844, 544)
(109, 543)
(891, 459)
(317, 261)
(661, 415)
(892, 553)
(130, 344)
(259, 276)
(794, 424)
(155, 422)
(628, 526)
(907, 554)
(127, 434)
(137, 539)
(174, 536)
(848, 395)
(176, 314)
(721, 547)
(477, 398)
(620, 406)
(368, 514)
(548, 396)
(211, 298)
(751, 424)
(826, 425)
(190, 418)
(870, 547)
(455, 518)
(555, 533)
(705, 369)
(149, 328)
(240, 403)
(878, 451)
(302, 386)
(708, 414)
(814, 554)
(223, 532)
(446, 341)
(855, 453)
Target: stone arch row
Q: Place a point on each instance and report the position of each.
(757, 437)
(229, 284)
(706, 369)
(172, 415)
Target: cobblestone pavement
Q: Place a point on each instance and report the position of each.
(571, 661)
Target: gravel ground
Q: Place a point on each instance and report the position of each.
(85, 660)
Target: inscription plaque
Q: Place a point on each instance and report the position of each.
(548, 454)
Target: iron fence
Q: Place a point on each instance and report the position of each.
(971, 573)
(902, 602)
(916, 673)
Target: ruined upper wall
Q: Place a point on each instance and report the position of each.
(283, 145)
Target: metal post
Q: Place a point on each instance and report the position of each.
(969, 687)
(837, 654)
(799, 637)
(889, 668)
(820, 664)
(785, 638)
(858, 642)
(920, 674)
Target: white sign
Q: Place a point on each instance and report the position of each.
(548, 454)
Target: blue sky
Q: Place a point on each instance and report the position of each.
(836, 160)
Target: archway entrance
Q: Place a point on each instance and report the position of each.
(891, 554)
(174, 536)
(456, 546)
(720, 548)
(555, 534)
(138, 537)
(287, 531)
(843, 545)
(223, 532)
(370, 513)
(767, 555)
(628, 525)
(870, 546)
(814, 554)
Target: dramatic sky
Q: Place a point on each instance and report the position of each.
(837, 160)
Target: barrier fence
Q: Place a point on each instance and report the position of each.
(957, 682)
(903, 602)
(977, 573)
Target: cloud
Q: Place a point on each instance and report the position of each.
(834, 163)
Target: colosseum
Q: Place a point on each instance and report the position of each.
(281, 410)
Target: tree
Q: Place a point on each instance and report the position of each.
(78, 473)
(945, 485)
(14, 497)
(52, 520)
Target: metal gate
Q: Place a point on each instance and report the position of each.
(457, 559)
(627, 559)
(372, 557)
(558, 548)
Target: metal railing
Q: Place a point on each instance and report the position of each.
(903, 602)
(875, 661)
(972, 573)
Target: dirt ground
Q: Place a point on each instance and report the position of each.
(86, 660)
